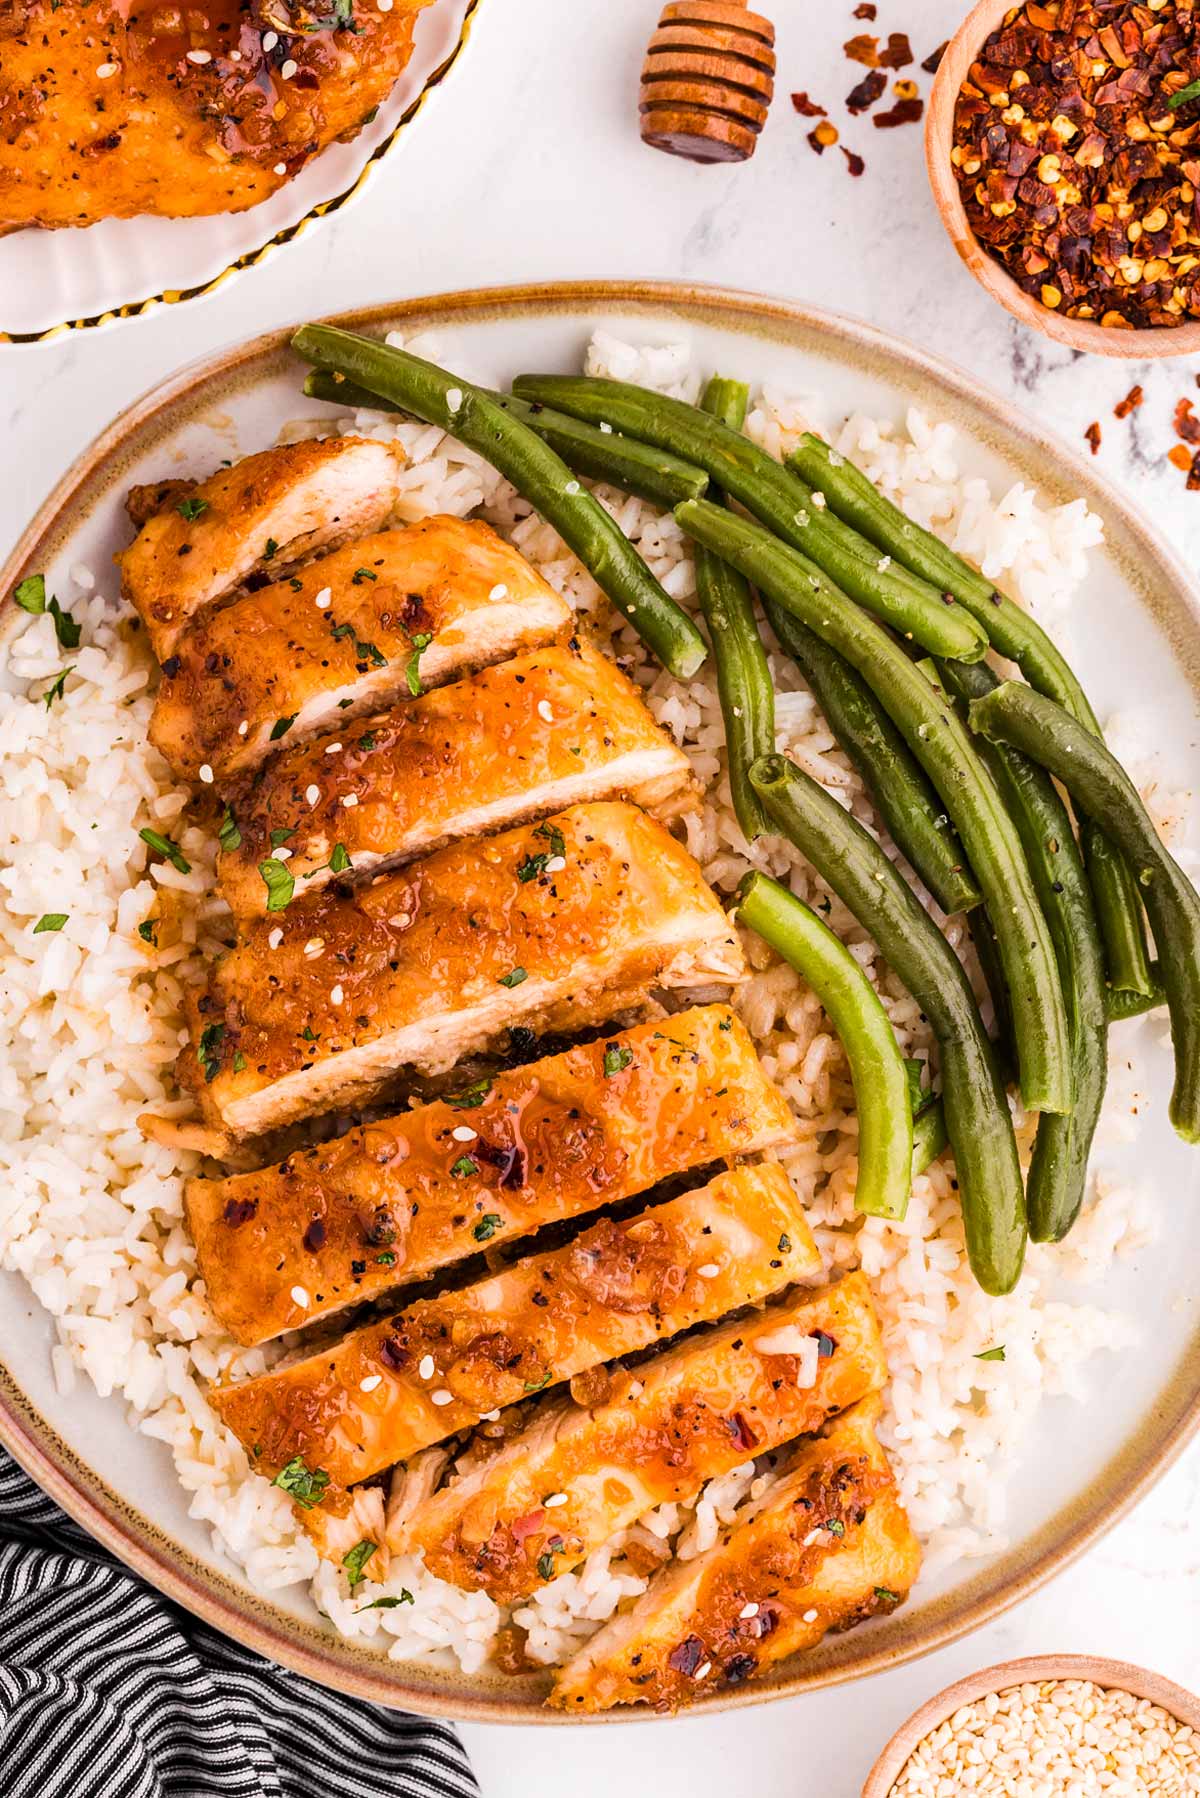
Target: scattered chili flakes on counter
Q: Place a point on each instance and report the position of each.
(868, 90)
(808, 109)
(905, 112)
(854, 161)
(897, 53)
(822, 136)
(1077, 150)
(1130, 403)
(1092, 435)
(866, 10)
(863, 49)
(1187, 425)
(933, 61)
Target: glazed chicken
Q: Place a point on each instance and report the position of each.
(695, 1411)
(394, 1387)
(112, 109)
(380, 620)
(254, 517)
(531, 736)
(825, 1548)
(389, 1202)
(325, 999)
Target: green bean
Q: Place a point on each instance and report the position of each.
(973, 1101)
(902, 795)
(637, 468)
(744, 684)
(1057, 1181)
(853, 498)
(761, 484)
(1123, 1005)
(1047, 734)
(885, 1128)
(534, 470)
(940, 742)
(983, 941)
(929, 1137)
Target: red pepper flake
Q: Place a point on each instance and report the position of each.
(868, 90)
(1092, 436)
(904, 112)
(863, 49)
(822, 136)
(1130, 403)
(1187, 425)
(740, 1430)
(933, 61)
(1193, 480)
(239, 1211)
(687, 1657)
(314, 1236)
(866, 10)
(1179, 458)
(854, 161)
(897, 53)
(808, 109)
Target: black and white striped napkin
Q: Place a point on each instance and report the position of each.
(108, 1690)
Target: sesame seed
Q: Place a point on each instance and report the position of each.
(545, 710)
(369, 1384)
(555, 1499)
(243, 727)
(206, 774)
(332, 748)
(491, 1417)
(703, 1670)
(281, 854)
(556, 864)
(809, 1617)
(281, 168)
(235, 56)
(199, 57)
(106, 69)
(443, 1397)
(426, 1368)
(270, 39)
(275, 938)
(385, 5)
(312, 794)
(324, 599)
(314, 945)
(709, 1271)
(463, 1133)
(350, 800)
(454, 398)
(499, 591)
(747, 1611)
(336, 995)
(289, 69)
(300, 1297)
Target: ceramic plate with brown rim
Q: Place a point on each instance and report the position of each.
(1087, 1457)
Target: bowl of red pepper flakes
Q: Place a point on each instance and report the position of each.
(1063, 146)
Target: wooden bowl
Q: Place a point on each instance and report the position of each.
(1077, 333)
(1112, 1675)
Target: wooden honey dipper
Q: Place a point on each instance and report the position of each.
(707, 80)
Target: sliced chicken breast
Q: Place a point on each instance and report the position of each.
(383, 619)
(396, 1386)
(324, 1000)
(388, 1203)
(825, 1548)
(698, 1410)
(543, 731)
(260, 514)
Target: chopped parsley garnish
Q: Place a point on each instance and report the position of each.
(362, 574)
(65, 627)
(228, 834)
(513, 978)
(888, 1596)
(363, 652)
(487, 1226)
(309, 1034)
(50, 920)
(192, 508)
(992, 1354)
(537, 1385)
(304, 1485)
(271, 549)
(388, 1259)
(1185, 94)
(835, 1526)
(387, 1603)
(279, 882)
(30, 594)
(170, 852)
(784, 1243)
(57, 685)
(545, 1566)
(470, 1096)
(356, 1560)
(464, 1167)
(533, 865)
(725, 1024)
(616, 1058)
(280, 835)
(239, 1062)
(281, 727)
(412, 670)
(339, 861)
(366, 741)
(209, 1052)
(147, 930)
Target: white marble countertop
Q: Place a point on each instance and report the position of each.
(528, 165)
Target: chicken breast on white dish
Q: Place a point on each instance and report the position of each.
(262, 513)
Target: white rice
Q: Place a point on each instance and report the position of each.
(91, 1215)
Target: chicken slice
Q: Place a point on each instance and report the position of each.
(386, 617)
(546, 730)
(391, 1201)
(261, 513)
(394, 1387)
(824, 1549)
(700, 1409)
(324, 1000)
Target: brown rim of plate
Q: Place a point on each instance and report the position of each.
(289, 234)
(1148, 344)
(1111, 1676)
(1173, 1419)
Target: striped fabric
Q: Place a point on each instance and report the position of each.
(109, 1691)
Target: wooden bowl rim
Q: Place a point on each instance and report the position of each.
(1149, 344)
(1124, 1676)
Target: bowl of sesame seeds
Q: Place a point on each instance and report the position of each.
(1068, 1725)
(1063, 147)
